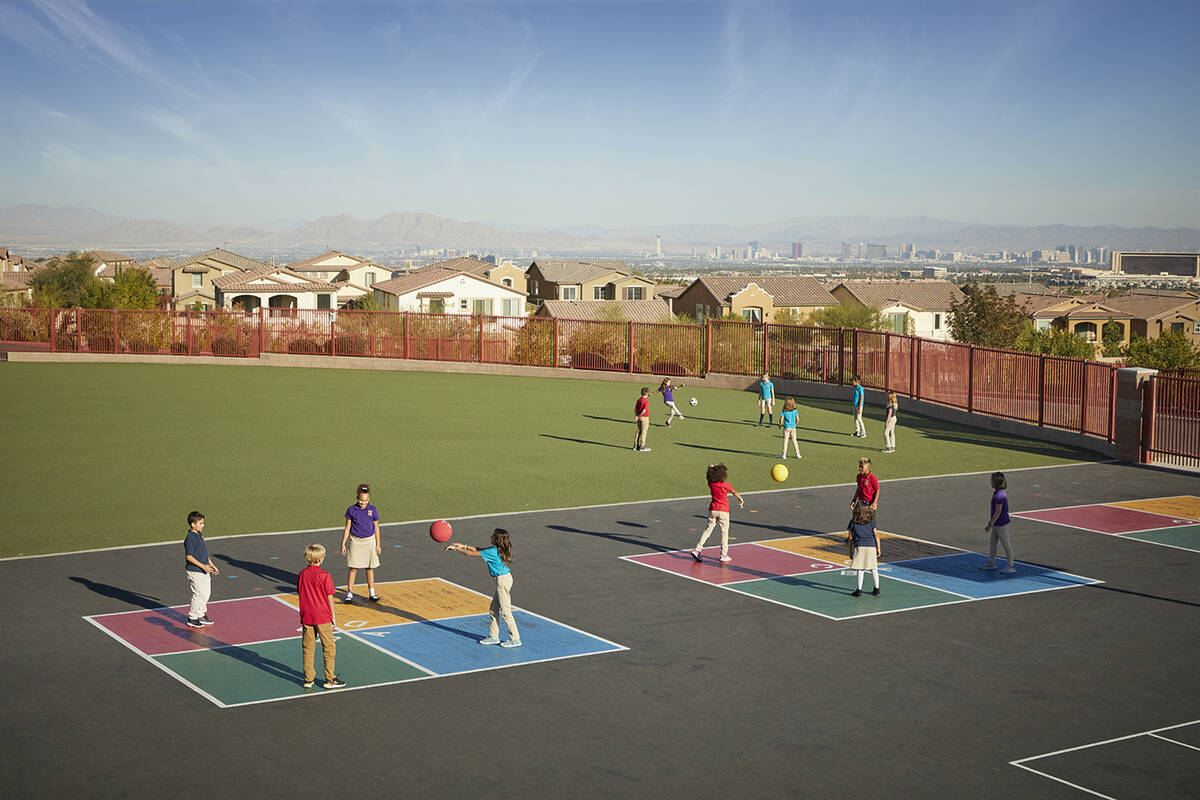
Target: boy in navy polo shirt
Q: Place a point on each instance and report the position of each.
(200, 570)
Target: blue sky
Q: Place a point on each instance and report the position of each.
(605, 113)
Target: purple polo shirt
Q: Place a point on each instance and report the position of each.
(362, 520)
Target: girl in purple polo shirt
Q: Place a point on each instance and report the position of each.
(998, 525)
(362, 533)
(668, 392)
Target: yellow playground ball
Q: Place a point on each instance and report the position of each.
(779, 473)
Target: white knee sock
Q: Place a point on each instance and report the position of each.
(860, 576)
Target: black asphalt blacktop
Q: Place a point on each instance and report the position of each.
(718, 694)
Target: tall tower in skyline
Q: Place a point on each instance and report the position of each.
(658, 244)
(797, 249)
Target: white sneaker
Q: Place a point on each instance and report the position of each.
(725, 558)
(1008, 570)
(987, 566)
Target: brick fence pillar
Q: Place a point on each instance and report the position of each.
(1128, 413)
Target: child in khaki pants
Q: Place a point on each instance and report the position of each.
(315, 590)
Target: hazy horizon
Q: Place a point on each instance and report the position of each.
(535, 116)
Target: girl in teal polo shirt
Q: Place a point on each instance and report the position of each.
(498, 558)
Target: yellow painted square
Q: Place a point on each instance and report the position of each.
(832, 547)
(403, 601)
(1184, 506)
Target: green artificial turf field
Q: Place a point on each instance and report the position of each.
(112, 454)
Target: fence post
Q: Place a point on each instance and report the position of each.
(970, 378)
(1083, 400)
(1149, 413)
(843, 345)
(262, 334)
(766, 349)
(1112, 401)
(630, 324)
(53, 330)
(332, 334)
(1041, 390)
(480, 338)
(707, 345)
(887, 362)
(917, 371)
(854, 352)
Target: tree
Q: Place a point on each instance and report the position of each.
(1169, 351)
(1112, 337)
(1056, 342)
(984, 318)
(134, 287)
(66, 282)
(849, 315)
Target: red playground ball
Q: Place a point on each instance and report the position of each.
(440, 531)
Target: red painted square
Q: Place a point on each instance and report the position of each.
(1105, 519)
(165, 630)
(750, 562)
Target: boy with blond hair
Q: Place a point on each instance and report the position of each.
(315, 589)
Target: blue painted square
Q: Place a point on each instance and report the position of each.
(960, 573)
(446, 646)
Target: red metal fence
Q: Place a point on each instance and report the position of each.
(1070, 394)
(1172, 434)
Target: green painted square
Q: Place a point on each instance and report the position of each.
(828, 593)
(1187, 537)
(273, 670)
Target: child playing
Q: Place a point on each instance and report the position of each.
(856, 407)
(668, 394)
(787, 421)
(315, 589)
(362, 531)
(867, 486)
(998, 525)
(889, 423)
(641, 416)
(199, 569)
(498, 558)
(766, 400)
(864, 546)
(718, 509)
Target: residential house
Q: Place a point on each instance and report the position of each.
(1146, 313)
(505, 273)
(192, 276)
(585, 280)
(161, 274)
(106, 260)
(11, 262)
(279, 289)
(756, 298)
(668, 292)
(923, 303)
(354, 276)
(16, 285)
(448, 291)
(655, 310)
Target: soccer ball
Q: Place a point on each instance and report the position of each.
(693, 401)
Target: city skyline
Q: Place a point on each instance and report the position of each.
(543, 115)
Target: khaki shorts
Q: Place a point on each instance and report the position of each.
(361, 553)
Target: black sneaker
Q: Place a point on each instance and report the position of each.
(875, 591)
(856, 593)
(375, 598)
(194, 623)
(206, 620)
(348, 598)
(336, 683)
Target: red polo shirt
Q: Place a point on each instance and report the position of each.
(868, 488)
(314, 587)
(642, 407)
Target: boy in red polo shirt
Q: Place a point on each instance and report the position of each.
(867, 492)
(315, 590)
(641, 416)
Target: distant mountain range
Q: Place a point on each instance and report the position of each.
(41, 228)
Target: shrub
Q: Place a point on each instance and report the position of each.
(228, 346)
(307, 347)
(179, 348)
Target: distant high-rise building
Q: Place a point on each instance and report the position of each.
(658, 244)
(906, 250)
(751, 250)
(1183, 265)
(797, 249)
(718, 252)
(876, 251)
(847, 251)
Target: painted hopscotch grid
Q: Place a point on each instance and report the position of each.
(1163, 762)
(422, 628)
(1172, 521)
(811, 573)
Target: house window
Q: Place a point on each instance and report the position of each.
(482, 307)
(1196, 327)
(322, 301)
(634, 292)
(1042, 324)
(598, 293)
(1176, 327)
(511, 308)
(437, 305)
(568, 293)
(752, 314)
(197, 280)
(462, 304)
(937, 322)
(370, 278)
(898, 323)
(506, 282)
(533, 286)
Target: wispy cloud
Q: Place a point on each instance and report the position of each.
(180, 128)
